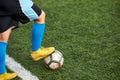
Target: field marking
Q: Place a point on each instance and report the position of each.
(19, 69)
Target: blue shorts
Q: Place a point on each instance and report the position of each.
(14, 11)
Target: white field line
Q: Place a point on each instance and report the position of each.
(21, 71)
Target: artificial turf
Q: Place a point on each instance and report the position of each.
(87, 32)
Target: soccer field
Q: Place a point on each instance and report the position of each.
(87, 32)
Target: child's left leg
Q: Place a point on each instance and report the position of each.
(37, 35)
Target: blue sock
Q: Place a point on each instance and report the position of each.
(3, 46)
(37, 35)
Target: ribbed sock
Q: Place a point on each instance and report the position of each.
(37, 35)
(3, 46)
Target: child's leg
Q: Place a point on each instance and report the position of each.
(37, 35)
(38, 31)
(3, 45)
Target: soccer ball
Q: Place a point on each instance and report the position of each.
(54, 61)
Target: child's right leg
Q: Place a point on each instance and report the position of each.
(4, 36)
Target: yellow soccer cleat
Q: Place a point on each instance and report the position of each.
(7, 76)
(42, 53)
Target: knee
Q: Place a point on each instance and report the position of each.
(41, 18)
(2, 39)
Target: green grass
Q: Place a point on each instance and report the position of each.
(87, 32)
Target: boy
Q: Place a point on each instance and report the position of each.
(12, 12)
